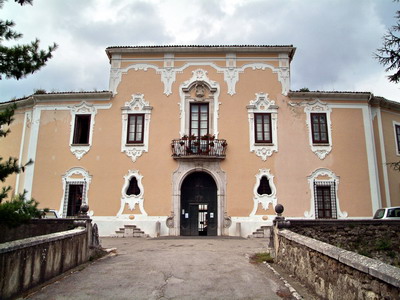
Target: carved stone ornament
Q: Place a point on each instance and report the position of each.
(262, 104)
(132, 200)
(265, 200)
(227, 221)
(170, 221)
(200, 90)
(319, 107)
(137, 105)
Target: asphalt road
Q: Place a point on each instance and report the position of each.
(168, 268)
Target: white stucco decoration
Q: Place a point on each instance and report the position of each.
(264, 200)
(75, 175)
(329, 178)
(132, 200)
(231, 72)
(81, 109)
(317, 106)
(187, 167)
(199, 76)
(262, 104)
(137, 105)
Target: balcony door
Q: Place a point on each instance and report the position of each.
(199, 215)
(199, 119)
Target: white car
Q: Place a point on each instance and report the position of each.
(388, 213)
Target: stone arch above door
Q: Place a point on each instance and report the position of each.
(185, 168)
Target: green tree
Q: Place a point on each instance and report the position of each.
(389, 54)
(20, 60)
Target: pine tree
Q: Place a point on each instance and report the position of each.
(389, 54)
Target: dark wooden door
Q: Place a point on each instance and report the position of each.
(199, 205)
(75, 194)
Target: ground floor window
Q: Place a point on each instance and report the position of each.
(325, 200)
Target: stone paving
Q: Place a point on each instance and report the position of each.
(165, 268)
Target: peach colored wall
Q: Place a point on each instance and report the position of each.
(290, 165)
(10, 147)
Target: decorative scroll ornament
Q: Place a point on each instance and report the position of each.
(132, 200)
(137, 105)
(262, 104)
(264, 199)
(319, 107)
(81, 109)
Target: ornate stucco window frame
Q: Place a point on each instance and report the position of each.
(199, 78)
(262, 104)
(132, 200)
(137, 105)
(264, 200)
(82, 108)
(317, 106)
(76, 175)
(324, 177)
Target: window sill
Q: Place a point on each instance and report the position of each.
(263, 144)
(134, 145)
(321, 144)
(80, 145)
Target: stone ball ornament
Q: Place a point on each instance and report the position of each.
(279, 209)
(84, 208)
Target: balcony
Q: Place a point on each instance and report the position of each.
(194, 147)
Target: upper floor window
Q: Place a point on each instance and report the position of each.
(319, 128)
(81, 130)
(397, 133)
(135, 129)
(263, 124)
(263, 128)
(136, 115)
(199, 119)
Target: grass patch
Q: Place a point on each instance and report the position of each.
(259, 258)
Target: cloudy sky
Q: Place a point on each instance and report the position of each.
(335, 39)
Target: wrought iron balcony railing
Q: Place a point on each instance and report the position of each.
(196, 147)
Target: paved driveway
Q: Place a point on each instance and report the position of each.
(168, 268)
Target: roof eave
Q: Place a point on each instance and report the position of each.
(356, 96)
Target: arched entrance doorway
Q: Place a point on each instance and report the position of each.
(199, 209)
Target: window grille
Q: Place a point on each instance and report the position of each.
(332, 210)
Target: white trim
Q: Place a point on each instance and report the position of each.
(231, 74)
(264, 200)
(318, 106)
(132, 200)
(184, 169)
(262, 104)
(32, 148)
(371, 157)
(27, 118)
(82, 108)
(313, 179)
(199, 76)
(383, 158)
(76, 174)
(137, 105)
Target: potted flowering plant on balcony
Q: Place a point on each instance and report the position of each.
(185, 137)
(192, 137)
(208, 137)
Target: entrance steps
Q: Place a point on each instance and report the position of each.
(262, 232)
(130, 231)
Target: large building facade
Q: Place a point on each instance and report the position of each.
(205, 140)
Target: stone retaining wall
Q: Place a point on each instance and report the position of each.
(335, 273)
(34, 227)
(29, 262)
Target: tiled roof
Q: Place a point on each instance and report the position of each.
(331, 92)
